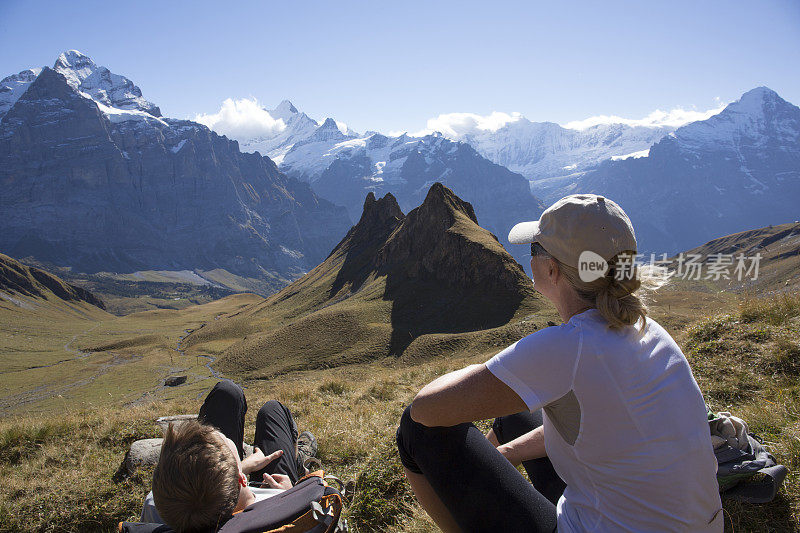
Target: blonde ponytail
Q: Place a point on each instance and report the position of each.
(613, 294)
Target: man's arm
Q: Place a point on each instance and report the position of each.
(472, 393)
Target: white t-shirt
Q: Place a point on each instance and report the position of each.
(624, 424)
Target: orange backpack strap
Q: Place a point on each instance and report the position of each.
(315, 473)
(323, 514)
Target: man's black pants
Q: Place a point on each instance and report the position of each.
(225, 407)
(480, 488)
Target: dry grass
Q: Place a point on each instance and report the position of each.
(748, 362)
(55, 472)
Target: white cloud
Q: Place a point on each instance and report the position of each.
(675, 118)
(457, 125)
(242, 119)
(343, 127)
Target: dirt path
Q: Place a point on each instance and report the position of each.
(11, 402)
(78, 354)
(148, 395)
(44, 392)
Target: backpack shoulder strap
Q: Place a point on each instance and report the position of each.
(322, 517)
(292, 510)
(143, 527)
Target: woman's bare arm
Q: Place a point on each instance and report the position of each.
(525, 447)
(472, 393)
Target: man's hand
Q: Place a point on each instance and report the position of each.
(258, 460)
(278, 481)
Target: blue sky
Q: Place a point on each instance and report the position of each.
(392, 66)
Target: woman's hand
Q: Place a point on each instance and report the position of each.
(472, 393)
(525, 447)
(258, 460)
(277, 481)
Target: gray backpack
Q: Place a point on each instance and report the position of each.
(750, 475)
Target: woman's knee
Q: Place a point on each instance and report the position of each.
(407, 433)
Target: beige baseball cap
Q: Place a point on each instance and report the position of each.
(577, 223)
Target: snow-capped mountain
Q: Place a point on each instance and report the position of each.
(12, 87)
(344, 168)
(540, 150)
(101, 85)
(537, 150)
(295, 127)
(114, 94)
(94, 178)
(755, 121)
(737, 170)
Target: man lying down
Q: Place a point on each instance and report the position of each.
(201, 477)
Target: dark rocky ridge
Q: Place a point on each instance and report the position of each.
(16, 278)
(437, 241)
(440, 241)
(360, 247)
(98, 191)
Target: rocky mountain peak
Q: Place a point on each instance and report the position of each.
(759, 94)
(441, 241)
(442, 203)
(27, 75)
(378, 220)
(755, 103)
(759, 115)
(381, 210)
(284, 111)
(48, 96)
(102, 85)
(75, 61)
(50, 84)
(286, 108)
(329, 124)
(328, 132)
(376, 141)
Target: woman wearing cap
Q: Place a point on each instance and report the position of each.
(604, 404)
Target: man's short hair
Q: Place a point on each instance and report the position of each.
(196, 480)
